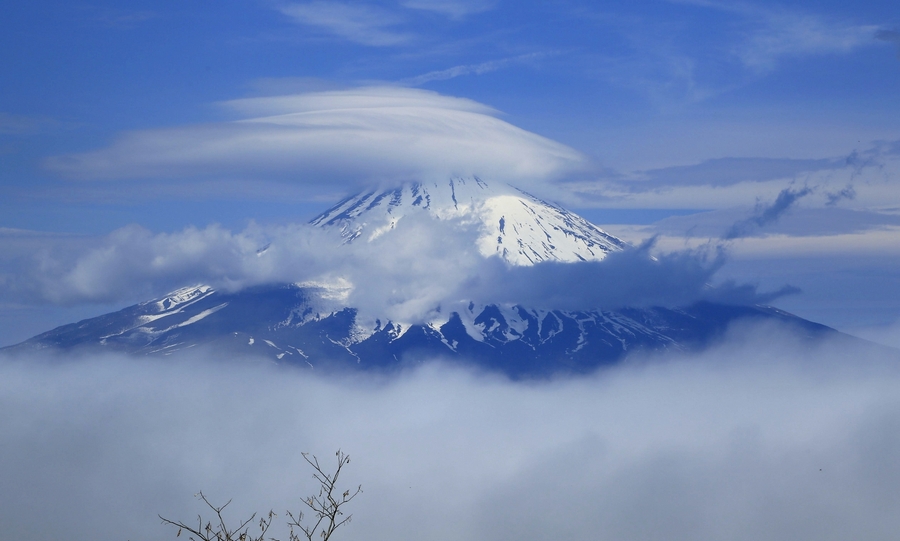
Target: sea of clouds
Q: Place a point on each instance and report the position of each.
(760, 437)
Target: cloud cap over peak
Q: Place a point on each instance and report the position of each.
(370, 97)
(348, 137)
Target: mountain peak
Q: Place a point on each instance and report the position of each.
(515, 225)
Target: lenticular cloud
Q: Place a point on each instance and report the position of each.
(345, 137)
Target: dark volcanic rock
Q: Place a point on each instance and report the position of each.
(282, 322)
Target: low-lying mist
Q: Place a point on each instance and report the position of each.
(757, 438)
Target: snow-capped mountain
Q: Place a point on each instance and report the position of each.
(313, 325)
(515, 225)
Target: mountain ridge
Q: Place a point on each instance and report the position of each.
(520, 342)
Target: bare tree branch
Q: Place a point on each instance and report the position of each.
(326, 511)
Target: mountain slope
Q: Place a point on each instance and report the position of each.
(280, 322)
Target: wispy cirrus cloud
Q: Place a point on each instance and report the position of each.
(360, 23)
(794, 35)
(11, 124)
(471, 69)
(117, 18)
(708, 48)
(730, 171)
(377, 25)
(864, 178)
(455, 9)
(770, 34)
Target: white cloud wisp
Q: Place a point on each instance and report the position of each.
(356, 22)
(773, 34)
(455, 9)
(793, 35)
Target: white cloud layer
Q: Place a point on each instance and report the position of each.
(860, 291)
(761, 438)
(404, 276)
(349, 137)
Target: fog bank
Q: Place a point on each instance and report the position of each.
(758, 438)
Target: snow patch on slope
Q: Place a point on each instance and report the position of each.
(201, 315)
(183, 297)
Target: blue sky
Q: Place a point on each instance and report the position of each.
(636, 114)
